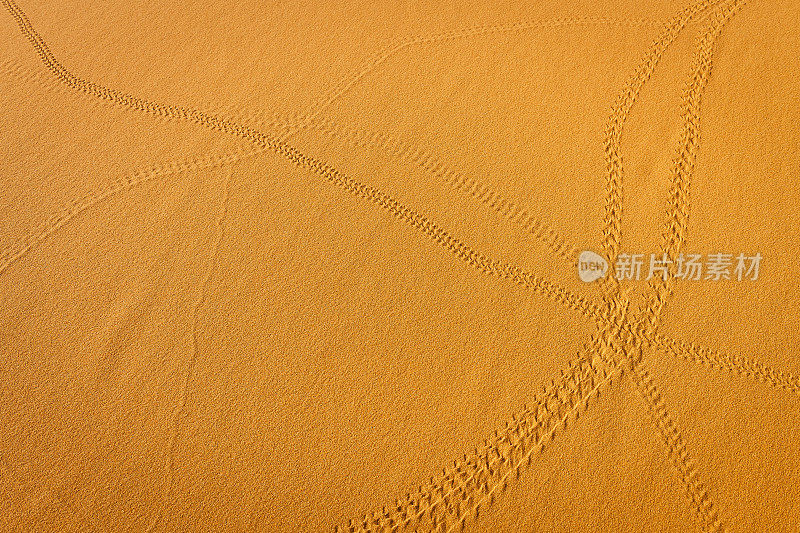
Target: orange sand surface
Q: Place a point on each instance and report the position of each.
(314, 266)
